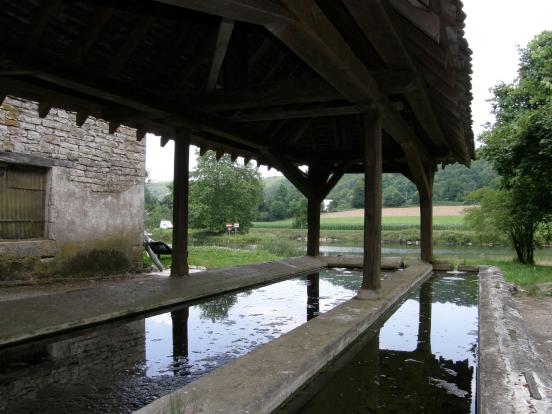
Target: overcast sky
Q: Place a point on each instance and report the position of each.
(494, 29)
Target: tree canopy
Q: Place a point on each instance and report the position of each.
(519, 145)
(223, 192)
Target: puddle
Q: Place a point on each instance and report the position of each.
(120, 367)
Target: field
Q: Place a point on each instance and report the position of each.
(438, 211)
(445, 218)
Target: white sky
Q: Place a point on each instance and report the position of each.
(494, 29)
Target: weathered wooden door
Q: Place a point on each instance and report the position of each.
(22, 201)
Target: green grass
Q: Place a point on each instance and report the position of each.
(213, 257)
(357, 223)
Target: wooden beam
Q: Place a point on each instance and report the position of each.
(40, 20)
(81, 117)
(423, 18)
(337, 175)
(203, 151)
(293, 133)
(223, 40)
(219, 154)
(171, 112)
(91, 33)
(236, 63)
(297, 114)
(113, 127)
(210, 141)
(417, 168)
(201, 53)
(293, 91)
(44, 107)
(261, 12)
(179, 266)
(286, 92)
(297, 177)
(373, 19)
(318, 43)
(140, 134)
(130, 45)
(164, 140)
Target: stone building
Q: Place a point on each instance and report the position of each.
(71, 198)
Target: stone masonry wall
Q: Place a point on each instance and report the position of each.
(95, 203)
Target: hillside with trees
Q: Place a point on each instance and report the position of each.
(452, 185)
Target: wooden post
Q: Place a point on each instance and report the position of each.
(371, 282)
(313, 232)
(313, 211)
(426, 227)
(179, 265)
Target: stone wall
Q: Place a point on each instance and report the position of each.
(94, 199)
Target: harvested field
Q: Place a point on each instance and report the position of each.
(402, 212)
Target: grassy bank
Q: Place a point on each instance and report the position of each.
(213, 257)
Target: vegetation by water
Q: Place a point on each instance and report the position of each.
(212, 257)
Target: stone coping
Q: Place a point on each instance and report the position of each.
(35, 317)
(262, 380)
(511, 377)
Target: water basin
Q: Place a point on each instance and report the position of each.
(122, 366)
(422, 359)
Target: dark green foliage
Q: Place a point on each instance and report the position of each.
(452, 184)
(223, 192)
(519, 144)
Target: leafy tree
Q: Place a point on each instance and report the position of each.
(300, 215)
(519, 145)
(223, 192)
(392, 198)
(357, 199)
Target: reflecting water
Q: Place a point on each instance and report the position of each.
(122, 366)
(421, 360)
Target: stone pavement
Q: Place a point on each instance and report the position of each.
(514, 376)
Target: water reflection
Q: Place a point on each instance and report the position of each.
(122, 366)
(422, 360)
(313, 295)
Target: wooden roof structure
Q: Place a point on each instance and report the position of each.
(280, 81)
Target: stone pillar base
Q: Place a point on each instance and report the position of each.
(368, 294)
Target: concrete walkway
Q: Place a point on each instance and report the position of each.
(513, 374)
(263, 379)
(33, 317)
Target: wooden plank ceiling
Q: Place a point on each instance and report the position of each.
(279, 81)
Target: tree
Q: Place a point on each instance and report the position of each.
(300, 214)
(223, 192)
(392, 198)
(519, 145)
(357, 199)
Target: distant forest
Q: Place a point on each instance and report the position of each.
(452, 186)
(281, 200)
